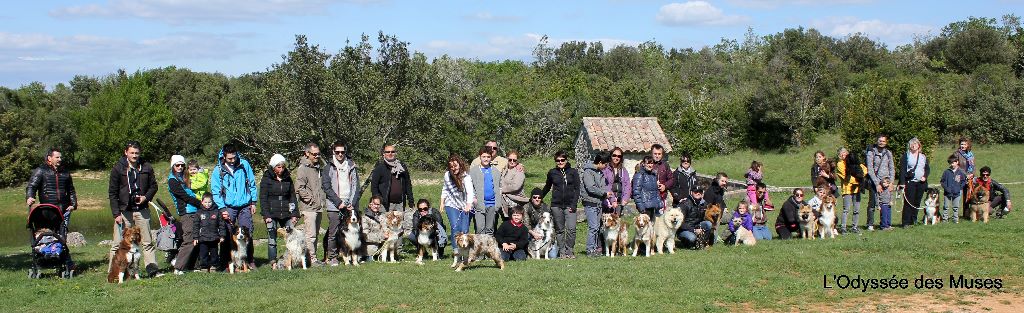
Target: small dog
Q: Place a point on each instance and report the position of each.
(472, 245)
(393, 233)
(614, 234)
(808, 222)
(239, 250)
(644, 234)
(426, 239)
(827, 220)
(351, 230)
(541, 247)
(125, 264)
(665, 228)
(743, 235)
(713, 215)
(931, 207)
(980, 206)
(296, 248)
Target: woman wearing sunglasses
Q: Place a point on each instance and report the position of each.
(563, 182)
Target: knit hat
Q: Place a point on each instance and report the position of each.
(177, 159)
(277, 159)
(537, 192)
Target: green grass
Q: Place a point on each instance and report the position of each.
(774, 274)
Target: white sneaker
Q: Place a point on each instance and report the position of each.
(871, 228)
(177, 272)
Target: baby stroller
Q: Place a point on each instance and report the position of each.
(49, 249)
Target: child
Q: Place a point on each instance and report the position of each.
(754, 176)
(199, 178)
(953, 181)
(885, 205)
(748, 221)
(820, 191)
(211, 230)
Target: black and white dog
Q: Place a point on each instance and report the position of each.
(426, 238)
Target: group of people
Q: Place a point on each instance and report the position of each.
(488, 189)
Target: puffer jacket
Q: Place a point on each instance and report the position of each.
(185, 200)
(208, 225)
(373, 226)
(53, 186)
(234, 187)
(329, 179)
(309, 187)
(564, 185)
(277, 198)
(126, 181)
(645, 190)
(200, 183)
(594, 189)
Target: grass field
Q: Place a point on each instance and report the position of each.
(774, 275)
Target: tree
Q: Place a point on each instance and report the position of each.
(128, 109)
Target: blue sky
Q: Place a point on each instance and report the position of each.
(51, 41)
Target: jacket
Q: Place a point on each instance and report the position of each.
(53, 186)
(309, 187)
(277, 198)
(512, 182)
(234, 187)
(645, 190)
(533, 213)
(126, 182)
(848, 186)
(373, 228)
(815, 170)
(880, 165)
(625, 191)
(966, 159)
(693, 213)
(904, 177)
(508, 233)
(477, 175)
(665, 176)
(788, 216)
(748, 221)
(953, 182)
(380, 183)
(200, 183)
(329, 179)
(185, 200)
(209, 226)
(565, 186)
(685, 181)
(715, 194)
(594, 188)
(992, 186)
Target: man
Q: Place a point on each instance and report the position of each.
(390, 181)
(52, 183)
(499, 162)
(999, 196)
(533, 211)
(233, 186)
(693, 220)
(340, 182)
(132, 185)
(309, 188)
(716, 192)
(487, 186)
(880, 166)
(593, 194)
(665, 178)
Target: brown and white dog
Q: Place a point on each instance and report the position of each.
(472, 245)
(931, 207)
(615, 232)
(713, 214)
(296, 251)
(351, 232)
(644, 234)
(125, 264)
(426, 239)
(980, 205)
(393, 234)
(665, 228)
(541, 247)
(743, 235)
(827, 220)
(808, 222)
(239, 241)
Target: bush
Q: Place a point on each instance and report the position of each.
(897, 107)
(127, 109)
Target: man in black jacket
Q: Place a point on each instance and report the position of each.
(716, 192)
(132, 186)
(52, 183)
(566, 194)
(391, 181)
(693, 212)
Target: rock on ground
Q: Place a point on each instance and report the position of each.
(76, 239)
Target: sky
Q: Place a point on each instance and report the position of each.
(51, 41)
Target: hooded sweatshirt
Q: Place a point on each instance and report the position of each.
(594, 188)
(233, 186)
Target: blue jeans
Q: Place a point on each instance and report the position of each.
(689, 238)
(886, 216)
(516, 255)
(459, 220)
(762, 232)
(593, 228)
(954, 202)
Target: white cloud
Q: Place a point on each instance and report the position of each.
(177, 12)
(771, 4)
(893, 34)
(519, 47)
(488, 17)
(696, 13)
(174, 46)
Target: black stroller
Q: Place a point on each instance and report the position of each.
(49, 248)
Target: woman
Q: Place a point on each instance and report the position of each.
(616, 177)
(788, 222)
(457, 197)
(846, 170)
(178, 184)
(563, 181)
(423, 209)
(595, 194)
(913, 180)
(645, 189)
(965, 156)
(821, 172)
(277, 203)
(512, 181)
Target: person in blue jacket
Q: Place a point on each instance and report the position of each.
(233, 186)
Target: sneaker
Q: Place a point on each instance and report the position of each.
(333, 262)
(871, 228)
(178, 272)
(855, 230)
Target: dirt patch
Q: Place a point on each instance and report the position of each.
(950, 301)
(426, 182)
(90, 175)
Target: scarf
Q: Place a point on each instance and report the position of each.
(395, 165)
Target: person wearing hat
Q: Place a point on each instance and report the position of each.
(277, 202)
(179, 186)
(534, 210)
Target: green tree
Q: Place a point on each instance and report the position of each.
(127, 109)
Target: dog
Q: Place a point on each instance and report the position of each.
(541, 247)
(743, 235)
(980, 206)
(295, 246)
(472, 245)
(713, 214)
(125, 264)
(931, 207)
(827, 217)
(808, 222)
(393, 234)
(665, 228)
(426, 239)
(614, 234)
(351, 231)
(239, 250)
(644, 234)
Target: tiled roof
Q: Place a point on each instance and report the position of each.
(632, 134)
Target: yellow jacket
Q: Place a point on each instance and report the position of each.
(851, 186)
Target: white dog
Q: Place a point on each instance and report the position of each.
(295, 246)
(665, 228)
(541, 247)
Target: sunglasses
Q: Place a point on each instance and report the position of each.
(536, 197)
(390, 152)
(616, 155)
(424, 209)
(313, 154)
(985, 174)
(686, 161)
(799, 195)
(339, 152)
(560, 160)
(513, 160)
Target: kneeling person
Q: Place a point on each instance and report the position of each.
(513, 237)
